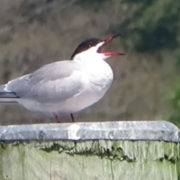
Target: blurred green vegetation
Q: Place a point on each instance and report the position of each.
(154, 25)
(175, 100)
(36, 32)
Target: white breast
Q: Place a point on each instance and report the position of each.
(96, 79)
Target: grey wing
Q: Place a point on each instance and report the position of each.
(53, 82)
(59, 69)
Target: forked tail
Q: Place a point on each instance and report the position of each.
(7, 96)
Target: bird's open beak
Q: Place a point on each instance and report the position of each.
(109, 53)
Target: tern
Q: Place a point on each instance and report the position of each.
(65, 87)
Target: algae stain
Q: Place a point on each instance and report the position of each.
(112, 172)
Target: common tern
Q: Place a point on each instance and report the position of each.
(65, 87)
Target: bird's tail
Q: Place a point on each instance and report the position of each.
(7, 96)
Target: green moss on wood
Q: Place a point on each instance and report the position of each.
(107, 160)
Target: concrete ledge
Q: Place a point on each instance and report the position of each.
(132, 130)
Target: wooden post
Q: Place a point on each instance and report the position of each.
(90, 151)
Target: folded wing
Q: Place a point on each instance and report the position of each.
(53, 82)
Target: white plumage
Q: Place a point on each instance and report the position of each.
(64, 87)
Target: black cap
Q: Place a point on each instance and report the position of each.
(85, 45)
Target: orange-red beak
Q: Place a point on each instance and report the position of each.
(109, 53)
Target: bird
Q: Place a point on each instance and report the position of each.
(65, 87)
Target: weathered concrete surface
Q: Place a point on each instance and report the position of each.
(91, 151)
(132, 130)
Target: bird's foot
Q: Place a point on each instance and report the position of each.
(57, 118)
(72, 117)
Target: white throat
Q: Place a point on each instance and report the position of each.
(90, 55)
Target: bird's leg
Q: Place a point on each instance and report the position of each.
(56, 118)
(72, 117)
